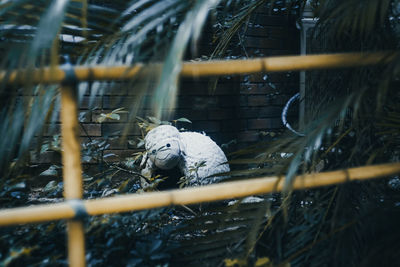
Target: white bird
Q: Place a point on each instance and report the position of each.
(198, 157)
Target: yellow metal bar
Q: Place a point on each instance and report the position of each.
(72, 172)
(214, 192)
(205, 68)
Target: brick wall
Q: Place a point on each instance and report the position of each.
(245, 108)
(241, 108)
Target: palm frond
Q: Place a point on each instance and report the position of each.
(166, 91)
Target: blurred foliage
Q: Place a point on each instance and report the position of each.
(352, 119)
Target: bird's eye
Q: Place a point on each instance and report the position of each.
(168, 145)
(154, 151)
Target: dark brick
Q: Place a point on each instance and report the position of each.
(281, 33)
(147, 112)
(233, 125)
(191, 114)
(206, 126)
(91, 101)
(187, 81)
(269, 90)
(257, 89)
(258, 100)
(260, 112)
(114, 102)
(140, 88)
(207, 87)
(270, 112)
(266, 10)
(248, 136)
(118, 143)
(261, 52)
(197, 102)
(265, 43)
(229, 101)
(228, 137)
(258, 124)
(227, 88)
(270, 20)
(243, 101)
(113, 129)
(130, 89)
(269, 100)
(220, 114)
(248, 112)
(205, 102)
(265, 31)
(194, 89)
(90, 129)
(279, 100)
(112, 89)
(267, 78)
(46, 157)
(185, 102)
(289, 88)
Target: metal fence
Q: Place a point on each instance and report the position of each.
(74, 208)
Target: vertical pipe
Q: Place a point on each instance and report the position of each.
(308, 21)
(302, 82)
(72, 172)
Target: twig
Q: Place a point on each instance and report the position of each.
(125, 170)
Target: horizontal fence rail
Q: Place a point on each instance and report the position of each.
(49, 75)
(208, 193)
